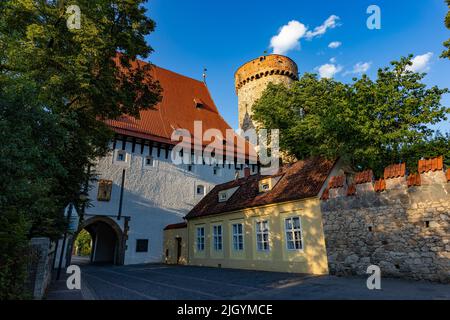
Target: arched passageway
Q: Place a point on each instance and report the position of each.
(107, 241)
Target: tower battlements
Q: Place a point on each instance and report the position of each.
(252, 78)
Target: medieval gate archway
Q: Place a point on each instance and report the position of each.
(108, 245)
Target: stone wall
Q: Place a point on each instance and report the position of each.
(404, 228)
(39, 268)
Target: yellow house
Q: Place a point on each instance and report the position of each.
(271, 223)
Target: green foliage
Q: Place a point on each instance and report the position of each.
(83, 243)
(57, 86)
(13, 258)
(369, 124)
(446, 53)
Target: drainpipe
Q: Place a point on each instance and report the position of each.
(119, 214)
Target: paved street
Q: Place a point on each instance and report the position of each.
(156, 281)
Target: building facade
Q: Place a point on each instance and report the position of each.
(271, 223)
(139, 189)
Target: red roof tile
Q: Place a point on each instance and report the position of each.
(414, 180)
(180, 225)
(448, 174)
(303, 179)
(431, 164)
(380, 185)
(363, 177)
(177, 110)
(351, 190)
(325, 194)
(336, 182)
(395, 171)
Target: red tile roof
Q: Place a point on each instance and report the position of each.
(448, 174)
(395, 171)
(380, 185)
(336, 182)
(431, 164)
(325, 194)
(363, 177)
(351, 190)
(180, 225)
(177, 110)
(300, 180)
(414, 180)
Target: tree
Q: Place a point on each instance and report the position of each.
(446, 53)
(57, 88)
(83, 243)
(369, 124)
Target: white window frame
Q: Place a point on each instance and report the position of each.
(293, 234)
(204, 190)
(223, 196)
(237, 236)
(148, 166)
(121, 152)
(200, 239)
(261, 245)
(217, 237)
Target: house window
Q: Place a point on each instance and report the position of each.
(216, 171)
(200, 190)
(217, 237)
(293, 233)
(238, 237)
(149, 162)
(265, 187)
(142, 245)
(200, 238)
(189, 167)
(262, 235)
(223, 196)
(104, 190)
(121, 155)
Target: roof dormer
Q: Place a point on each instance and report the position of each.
(226, 194)
(199, 104)
(267, 184)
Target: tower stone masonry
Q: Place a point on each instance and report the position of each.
(252, 78)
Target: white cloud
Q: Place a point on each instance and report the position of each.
(288, 37)
(334, 44)
(420, 63)
(328, 70)
(360, 67)
(330, 23)
(333, 60)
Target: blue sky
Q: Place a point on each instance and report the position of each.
(222, 35)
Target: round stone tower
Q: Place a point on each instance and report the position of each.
(253, 77)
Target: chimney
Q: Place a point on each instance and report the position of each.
(246, 172)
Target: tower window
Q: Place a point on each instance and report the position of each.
(149, 162)
(121, 155)
(200, 190)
